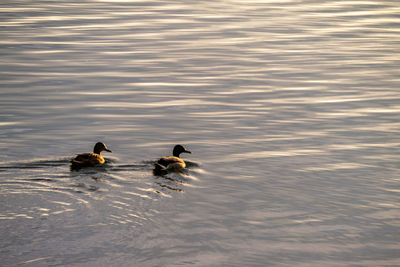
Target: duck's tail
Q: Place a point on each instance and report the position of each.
(75, 165)
(159, 169)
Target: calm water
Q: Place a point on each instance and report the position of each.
(291, 110)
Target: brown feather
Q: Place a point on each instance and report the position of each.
(88, 160)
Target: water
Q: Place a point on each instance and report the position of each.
(291, 110)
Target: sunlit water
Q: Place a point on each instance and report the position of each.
(291, 110)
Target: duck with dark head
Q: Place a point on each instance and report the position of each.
(90, 159)
(171, 163)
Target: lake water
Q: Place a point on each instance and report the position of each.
(291, 110)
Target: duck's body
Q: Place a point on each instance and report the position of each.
(91, 159)
(172, 163)
(88, 159)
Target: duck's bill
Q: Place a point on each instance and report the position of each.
(187, 151)
(108, 150)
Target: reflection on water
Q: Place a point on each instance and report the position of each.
(291, 110)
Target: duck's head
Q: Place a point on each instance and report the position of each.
(178, 149)
(99, 147)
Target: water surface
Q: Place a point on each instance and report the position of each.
(291, 110)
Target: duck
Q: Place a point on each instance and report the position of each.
(91, 159)
(172, 163)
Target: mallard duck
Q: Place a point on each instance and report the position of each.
(91, 159)
(172, 163)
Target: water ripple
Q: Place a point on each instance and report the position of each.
(291, 107)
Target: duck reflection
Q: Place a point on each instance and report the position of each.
(169, 187)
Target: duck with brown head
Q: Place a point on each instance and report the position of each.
(171, 163)
(91, 159)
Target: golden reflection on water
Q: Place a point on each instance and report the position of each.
(337, 166)
(272, 95)
(270, 154)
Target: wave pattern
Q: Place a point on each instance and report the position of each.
(291, 109)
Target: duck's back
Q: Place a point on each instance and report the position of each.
(172, 162)
(88, 159)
